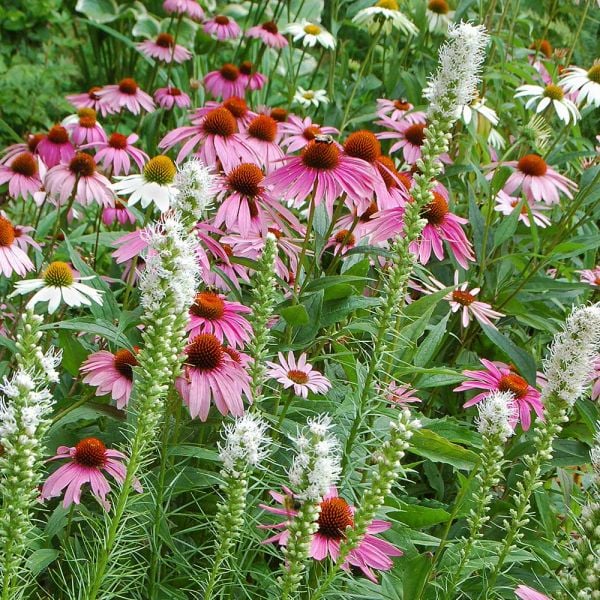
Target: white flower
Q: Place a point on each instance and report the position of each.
(595, 451)
(496, 140)
(585, 83)
(195, 185)
(497, 412)
(59, 284)
(246, 443)
(439, 15)
(478, 106)
(385, 14)
(551, 95)
(154, 184)
(310, 34)
(308, 97)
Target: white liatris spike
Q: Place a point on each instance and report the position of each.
(571, 359)
(460, 59)
(195, 183)
(595, 453)
(496, 413)
(246, 443)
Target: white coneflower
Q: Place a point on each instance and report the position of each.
(307, 98)
(439, 15)
(550, 96)
(497, 412)
(245, 443)
(195, 183)
(585, 83)
(310, 34)
(385, 14)
(479, 107)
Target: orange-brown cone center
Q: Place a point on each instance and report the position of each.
(208, 305)
(236, 106)
(335, 517)
(513, 383)
(436, 211)
(297, 376)
(165, 40)
(220, 122)
(345, 238)
(222, 20)
(118, 141)
(124, 362)
(128, 86)
(204, 352)
(229, 72)
(363, 144)
(24, 164)
(270, 26)
(321, 155)
(532, 164)
(464, 298)
(263, 128)
(279, 114)
(415, 134)
(90, 452)
(245, 179)
(7, 232)
(82, 164)
(58, 135)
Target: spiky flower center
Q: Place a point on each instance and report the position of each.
(246, 67)
(594, 73)
(160, 169)
(312, 29)
(554, 92)
(208, 305)
(58, 135)
(320, 155)
(311, 132)
(401, 104)
(58, 274)
(513, 383)
(543, 46)
(439, 7)
(222, 20)
(345, 238)
(165, 40)
(415, 134)
(233, 354)
(276, 232)
(335, 517)
(263, 128)
(128, 86)
(462, 297)
(389, 4)
(24, 164)
(271, 27)
(229, 72)
(87, 117)
(435, 212)
(33, 141)
(245, 179)
(205, 352)
(532, 164)
(90, 452)
(7, 233)
(236, 106)
(363, 144)
(82, 165)
(92, 93)
(124, 362)
(387, 169)
(173, 91)
(366, 216)
(219, 122)
(279, 114)
(297, 376)
(117, 141)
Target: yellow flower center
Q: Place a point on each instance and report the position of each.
(594, 73)
(553, 92)
(312, 29)
(58, 274)
(160, 169)
(308, 95)
(389, 4)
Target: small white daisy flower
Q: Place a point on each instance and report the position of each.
(310, 34)
(551, 95)
(385, 12)
(585, 83)
(307, 98)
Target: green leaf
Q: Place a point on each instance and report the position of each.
(40, 559)
(416, 574)
(100, 11)
(418, 517)
(97, 327)
(336, 311)
(194, 452)
(508, 226)
(295, 315)
(431, 343)
(430, 445)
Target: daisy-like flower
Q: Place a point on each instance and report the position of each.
(499, 377)
(478, 108)
(22, 173)
(13, 258)
(22, 237)
(111, 374)
(385, 14)
(226, 82)
(308, 98)
(342, 241)
(116, 153)
(222, 27)
(212, 313)
(591, 276)
(252, 79)
(585, 83)
(79, 177)
(269, 34)
(235, 105)
(126, 94)
(118, 213)
(298, 132)
(164, 49)
(310, 34)
(410, 133)
(153, 184)
(507, 204)
(87, 461)
(55, 147)
(398, 184)
(262, 136)
(212, 372)
(191, 8)
(335, 516)
(298, 374)
(400, 395)
(394, 109)
(439, 15)
(168, 97)
(90, 99)
(524, 592)
(232, 270)
(539, 181)
(58, 284)
(549, 96)
(83, 127)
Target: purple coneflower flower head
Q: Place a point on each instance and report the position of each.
(591, 276)
(22, 172)
(299, 131)
(507, 204)
(410, 133)
(126, 94)
(84, 128)
(191, 8)
(222, 27)
(395, 109)
(116, 153)
(400, 395)
(234, 104)
(268, 32)
(298, 374)
(55, 147)
(251, 78)
(262, 135)
(13, 258)
(165, 49)
(168, 97)
(91, 99)
(226, 82)
(119, 213)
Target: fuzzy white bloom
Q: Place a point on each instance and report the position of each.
(496, 413)
(460, 59)
(316, 466)
(49, 361)
(195, 183)
(571, 359)
(246, 443)
(595, 452)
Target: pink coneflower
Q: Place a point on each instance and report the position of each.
(212, 372)
(235, 105)
(165, 49)
(191, 8)
(83, 127)
(596, 380)
(591, 276)
(498, 376)
(13, 258)
(396, 110)
(226, 82)
(222, 27)
(119, 213)
(91, 99)
(129, 246)
(87, 462)
(326, 171)
(23, 239)
(111, 374)
(216, 133)
(251, 78)
(262, 135)
(232, 270)
(269, 34)
(342, 241)
(117, 153)
(22, 174)
(539, 182)
(397, 183)
(126, 94)
(400, 395)
(60, 182)
(298, 374)
(212, 313)
(524, 592)
(410, 133)
(56, 147)
(335, 516)
(507, 204)
(33, 139)
(300, 131)
(168, 97)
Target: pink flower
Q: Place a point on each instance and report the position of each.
(410, 133)
(507, 204)
(596, 380)
(300, 131)
(13, 258)
(56, 147)
(116, 153)
(111, 374)
(498, 376)
(23, 239)
(269, 34)
(165, 49)
(118, 213)
(396, 110)
(22, 174)
(129, 245)
(225, 82)
(60, 182)
(212, 313)
(591, 276)
(262, 135)
(342, 241)
(538, 180)
(87, 462)
(298, 374)
(168, 97)
(83, 127)
(335, 517)
(216, 133)
(400, 395)
(191, 8)
(526, 593)
(235, 105)
(91, 99)
(222, 27)
(252, 79)
(212, 372)
(397, 183)
(126, 94)
(33, 139)
(232, 270)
